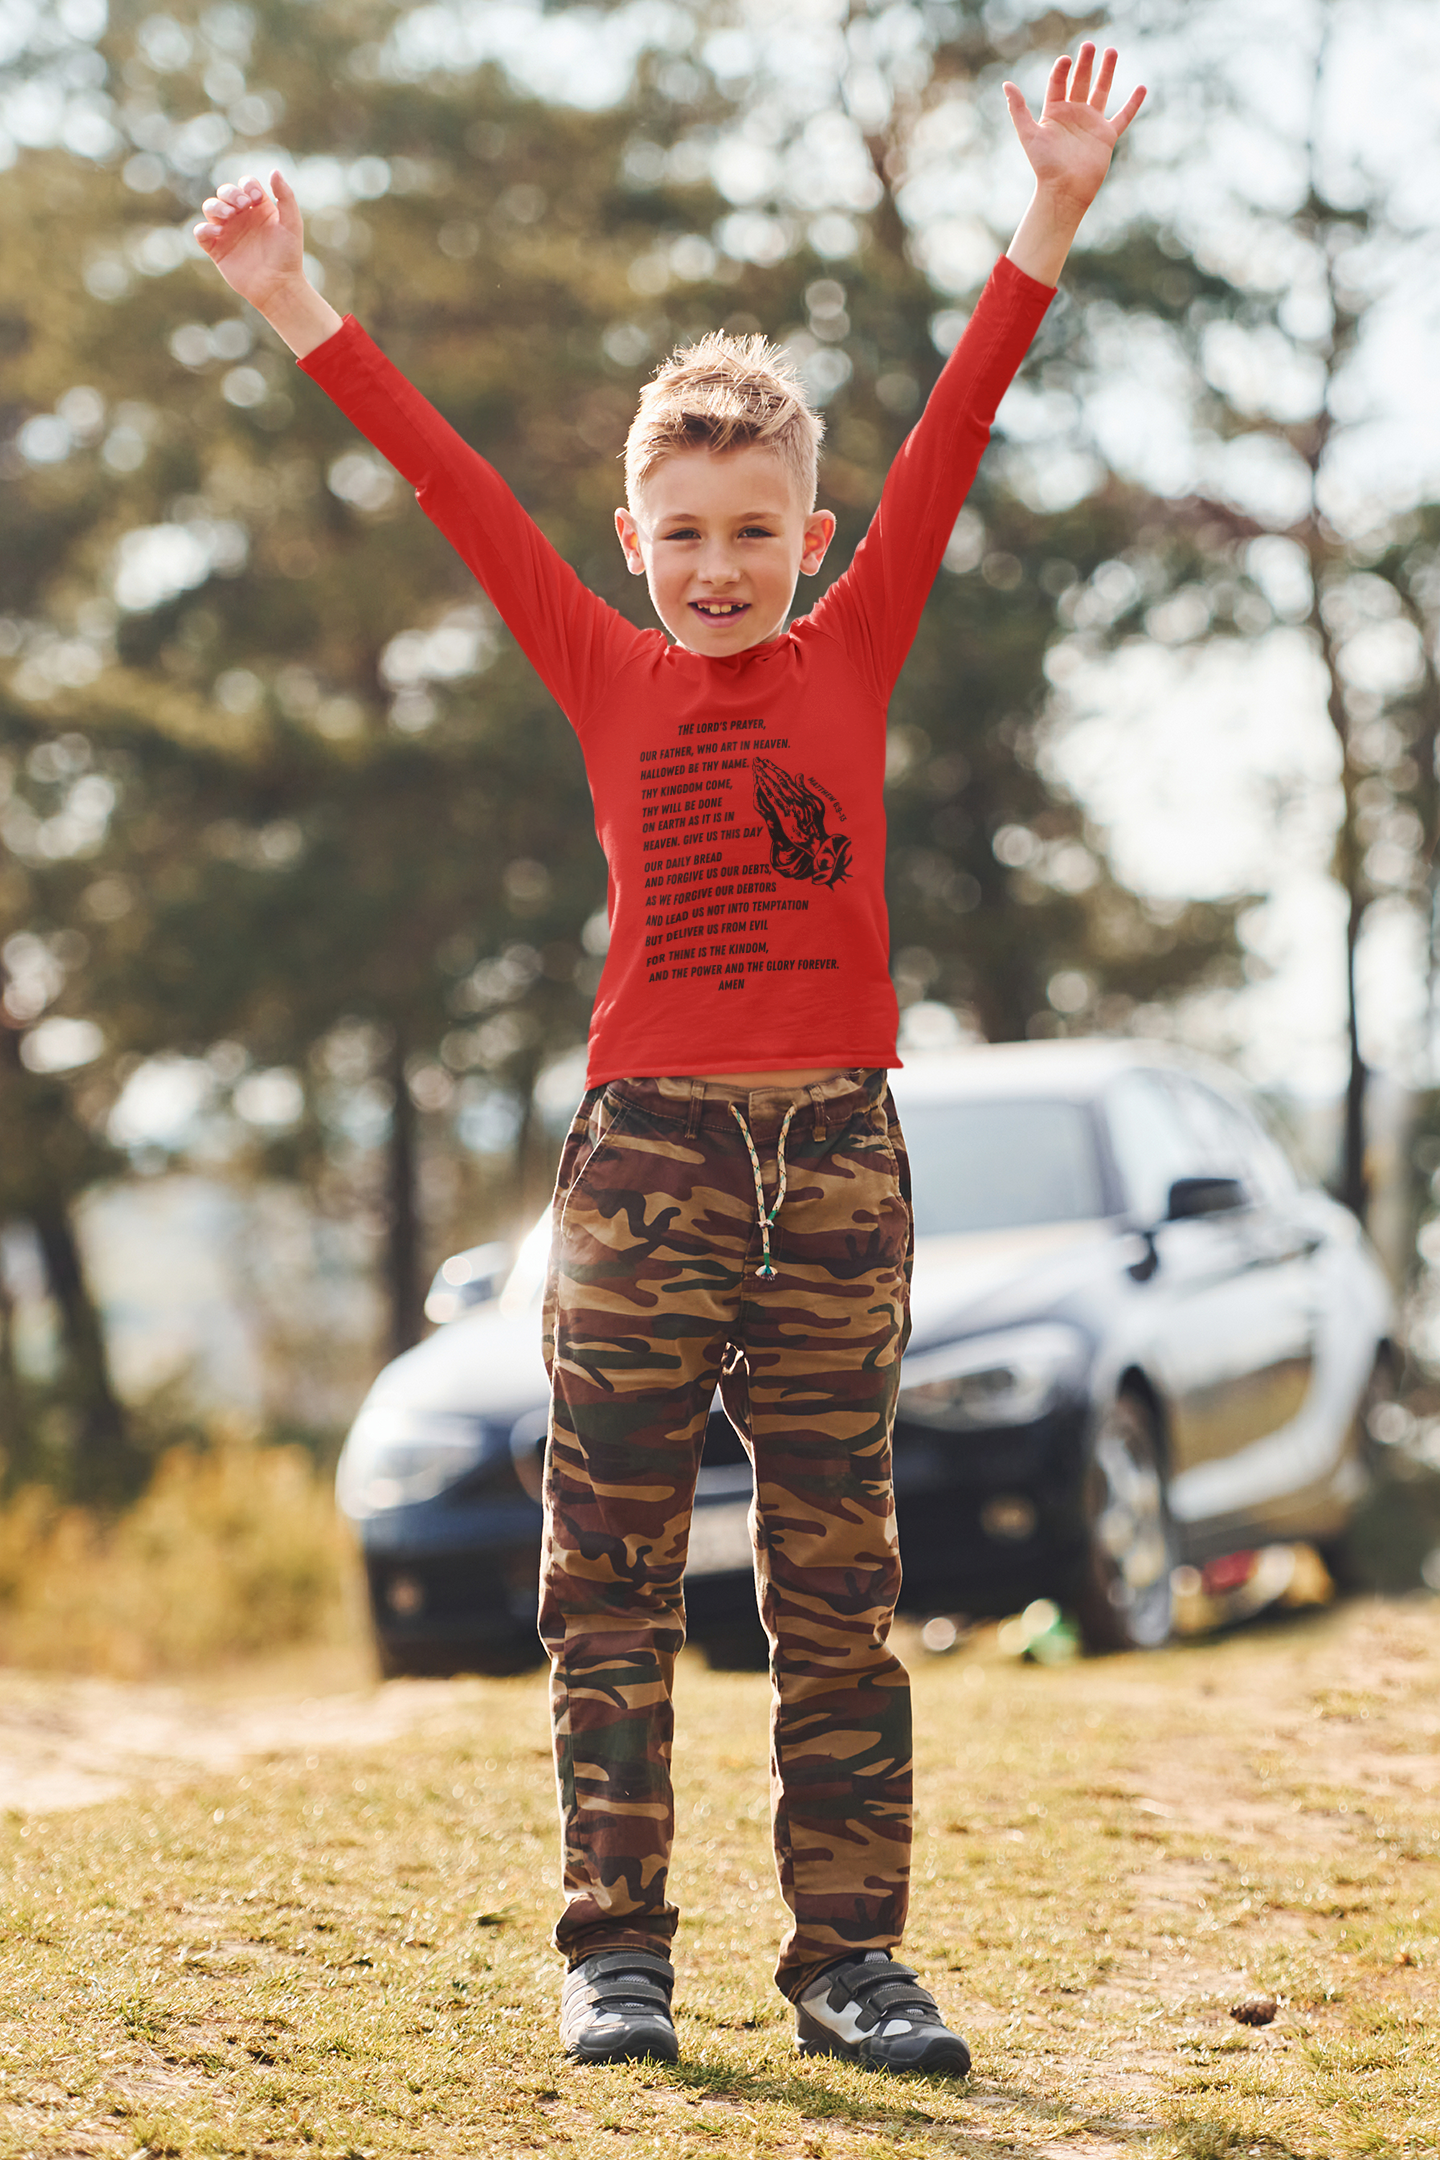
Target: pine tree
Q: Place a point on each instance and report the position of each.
(281, 782)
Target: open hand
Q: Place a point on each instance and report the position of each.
(1071, 143)
(257, 245)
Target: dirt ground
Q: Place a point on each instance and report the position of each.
(67, 1743)
(1110, 1856)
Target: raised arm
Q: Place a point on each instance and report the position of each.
(572, 639)
(258, 246)
(875, 606)
(1069, 148)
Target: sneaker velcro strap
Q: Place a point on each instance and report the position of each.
(883, 1991)
(629, 1976)
(615, 2007)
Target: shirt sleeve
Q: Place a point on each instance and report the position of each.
(874, 607)
(574, 641)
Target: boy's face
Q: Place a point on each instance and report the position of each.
(722, 537)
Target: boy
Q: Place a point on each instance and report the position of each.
(732, 1203)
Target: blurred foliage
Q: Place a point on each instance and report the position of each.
(281, 794)
(227, 1555)
(1390, 1546)
(1267, 310)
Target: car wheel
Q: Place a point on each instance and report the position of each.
(1123, 1599)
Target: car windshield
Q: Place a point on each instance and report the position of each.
(1001, 1165)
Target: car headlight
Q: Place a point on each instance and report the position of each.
(396, 1457)
(1008, 1378)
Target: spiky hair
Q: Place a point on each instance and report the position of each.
(725, 393)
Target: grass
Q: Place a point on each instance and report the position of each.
(344, 1952)
(227, 1554)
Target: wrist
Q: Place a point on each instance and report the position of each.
(290, 295)
(289, 285)
(298, 314)
(1044, 236)
(1057, 209)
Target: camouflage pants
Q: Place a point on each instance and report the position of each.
(656, 1294)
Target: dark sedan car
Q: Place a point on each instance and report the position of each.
(1140, 1341)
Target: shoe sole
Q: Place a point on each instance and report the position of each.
(944, 2057)
(655, 2045)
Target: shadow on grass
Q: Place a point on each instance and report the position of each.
(883, 2101)
(1210, 2140)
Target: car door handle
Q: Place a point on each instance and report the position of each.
(1285, 1245)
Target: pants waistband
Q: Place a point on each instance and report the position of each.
(703, 1105)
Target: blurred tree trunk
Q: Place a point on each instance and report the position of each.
(403, 1286)
(1332, 225)
(104, 1465)
(46, 1142)
(1414, 593)
(1349, 861)
(1328, 225)
(14, 1436)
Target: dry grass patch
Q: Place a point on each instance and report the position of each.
(227, 1554)
(343, 1952)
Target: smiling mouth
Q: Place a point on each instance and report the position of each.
(720, 611)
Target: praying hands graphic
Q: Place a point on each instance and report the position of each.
(800, 847)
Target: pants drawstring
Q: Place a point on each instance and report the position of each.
(767, 1216)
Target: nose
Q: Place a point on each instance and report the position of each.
(717, 564)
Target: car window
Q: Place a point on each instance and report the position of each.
(1234, 1145)
(1152, 1143)
(1001, 1165)
(1274, 1148)
(1222, 1152)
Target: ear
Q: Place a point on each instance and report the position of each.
(819, 532)
(629, 533)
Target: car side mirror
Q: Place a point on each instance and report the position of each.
(466, 1279)
(1204, 1196)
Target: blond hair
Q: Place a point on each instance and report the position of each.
(725, 393)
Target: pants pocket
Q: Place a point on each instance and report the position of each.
(577, 1143)
(609, 1114)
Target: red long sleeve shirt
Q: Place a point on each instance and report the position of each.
(738, 801)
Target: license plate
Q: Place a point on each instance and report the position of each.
(720, 1539)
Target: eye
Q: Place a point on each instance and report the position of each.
(682, 532)
(757, 532)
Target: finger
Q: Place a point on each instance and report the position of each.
(286, 203)
(1104, 79)
(1128, 111)
(1055, 87)
(216, 210)
(1080, 80)
(1021, 116)
(208, 235)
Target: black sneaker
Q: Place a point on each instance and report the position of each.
(615, 2007)
(871, 2011)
